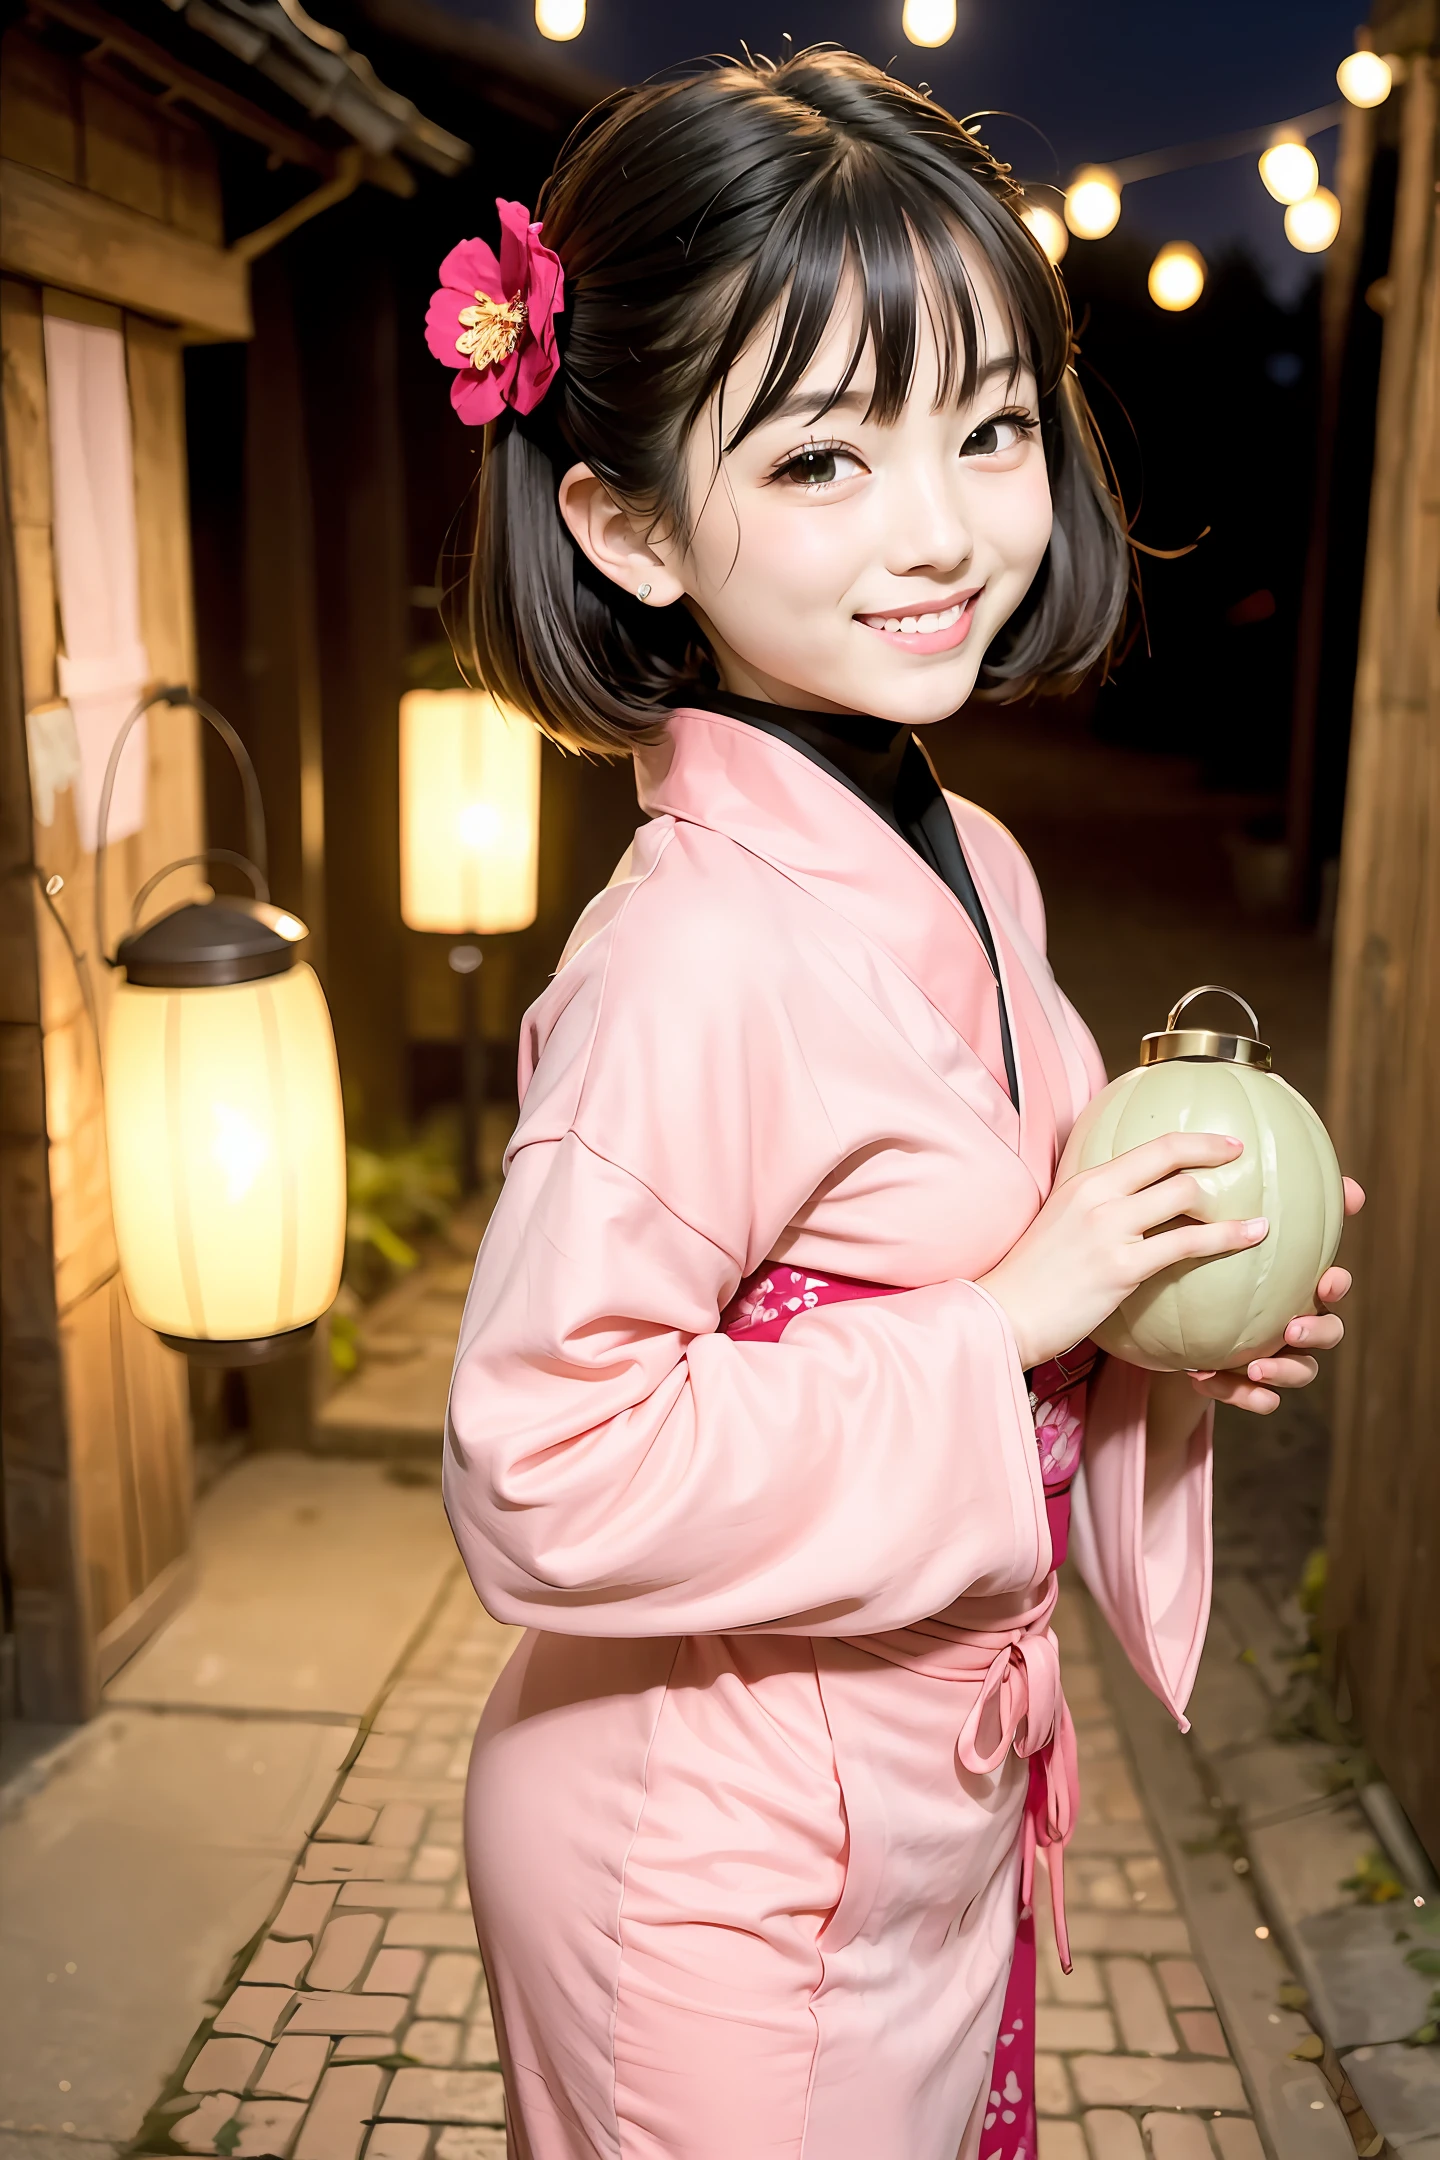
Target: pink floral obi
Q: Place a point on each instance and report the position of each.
(763, 1308)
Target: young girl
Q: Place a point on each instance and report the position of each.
(786, 457)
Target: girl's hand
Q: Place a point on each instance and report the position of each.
(1255, 1388)
(1099, 1236)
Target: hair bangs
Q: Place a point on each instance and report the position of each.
(858, 236)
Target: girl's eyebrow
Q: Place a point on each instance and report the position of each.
(814, 404)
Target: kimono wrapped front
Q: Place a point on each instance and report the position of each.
(740, 1885)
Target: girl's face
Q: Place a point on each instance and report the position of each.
(845, 565)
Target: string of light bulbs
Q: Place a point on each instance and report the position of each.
(1288, 171)
(1091, 203)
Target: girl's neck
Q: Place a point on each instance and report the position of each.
(868, 751)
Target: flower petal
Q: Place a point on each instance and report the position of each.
(442, 326)
(471, 267)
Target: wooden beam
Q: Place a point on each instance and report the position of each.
(63, 235)
(198, 91)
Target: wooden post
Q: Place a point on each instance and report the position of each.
(1383, 1602)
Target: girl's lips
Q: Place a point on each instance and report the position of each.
(949, 626)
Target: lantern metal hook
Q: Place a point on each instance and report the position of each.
(187, 862)
(1216, 990)
(255, 863)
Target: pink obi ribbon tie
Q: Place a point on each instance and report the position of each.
(1021, 1705)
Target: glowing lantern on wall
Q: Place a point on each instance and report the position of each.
(469, 813)
(1092, 203)
(1177, 277)
(223, 1114)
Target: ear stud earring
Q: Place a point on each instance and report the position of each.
(643, 593)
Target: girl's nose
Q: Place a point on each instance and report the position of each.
(929, 534)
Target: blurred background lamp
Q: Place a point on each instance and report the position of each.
(1177, 277)
(223, 1117)
(1289, 171)
(928, 22)
(560, 19)
(1364, 78)
(469, 813)
(1311, 225)
(1048, 228)
(1092, 203)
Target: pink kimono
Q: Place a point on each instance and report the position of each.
(745, 1810)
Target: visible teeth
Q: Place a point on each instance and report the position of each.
(918, 625)
(892, 623)
(908, 624)
(927, 623)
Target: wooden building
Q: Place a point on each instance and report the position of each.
(145, 165)
(1383, 1603)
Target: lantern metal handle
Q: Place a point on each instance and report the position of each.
(187, 862)
(255, 863)
(1214, 990)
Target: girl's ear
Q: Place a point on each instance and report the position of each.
(614, 541)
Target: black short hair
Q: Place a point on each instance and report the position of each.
(686, 214)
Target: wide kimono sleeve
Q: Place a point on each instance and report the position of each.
(1140, 1515)
(616, 1466)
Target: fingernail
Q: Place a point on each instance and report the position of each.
(1258, 1226)
(1233, 1141)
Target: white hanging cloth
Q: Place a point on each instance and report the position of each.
(104, 664)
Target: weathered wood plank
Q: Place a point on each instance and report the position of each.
(124, 147)
(1383, 1605)
(59, 234)
(38, 121)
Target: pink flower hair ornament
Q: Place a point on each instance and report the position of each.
(494, 321)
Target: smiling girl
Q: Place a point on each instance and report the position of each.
(773, 1382)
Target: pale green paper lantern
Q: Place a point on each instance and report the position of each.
(1221, 1312)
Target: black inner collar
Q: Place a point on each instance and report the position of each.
(882, 762)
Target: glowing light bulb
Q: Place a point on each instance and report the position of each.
(1311, 225)
(1092, 203)
(1289, 171)
(1048, 228)
(1364, 78)
(560, 19)
(1177, 277)
(929, 22)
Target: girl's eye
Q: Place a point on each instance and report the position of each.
(1001, 433)
(819, 465)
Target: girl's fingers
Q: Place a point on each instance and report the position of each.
(1282, 1372)
(1333, 1285)
(1160, 1203)
(1241, 1393)
(1312, 1331)
(1194, 1241)
(1155, 1159)
(1354, 1196)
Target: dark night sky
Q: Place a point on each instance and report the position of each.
(1097, 81)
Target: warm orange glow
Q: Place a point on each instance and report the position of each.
(928, 22)
(1177, 277)
(1049, 229)
(1289, 171)
(1364, 78)
(1092, 203)
(227, 1155)
(469, 813)
(560, 19)
(1311, 225)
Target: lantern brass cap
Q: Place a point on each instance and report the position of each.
(206, 943)
(1173, 1041)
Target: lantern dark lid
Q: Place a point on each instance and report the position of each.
(203, 944)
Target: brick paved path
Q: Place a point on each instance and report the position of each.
(359, 2023)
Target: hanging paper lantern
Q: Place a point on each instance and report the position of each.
(1217, 1314)
(469, 813)
(225, 1130)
